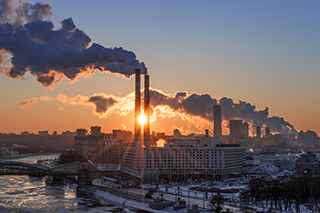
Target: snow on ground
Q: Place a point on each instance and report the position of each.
(117, 200)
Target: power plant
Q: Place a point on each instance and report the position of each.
(179, 158)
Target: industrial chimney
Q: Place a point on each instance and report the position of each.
(217, 132)
(258, 132)
(267, 132)
(146, 131)
(137, 111)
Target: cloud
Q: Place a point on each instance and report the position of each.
(102, 104)
(28, 35)
(26, 103)
(45, 98)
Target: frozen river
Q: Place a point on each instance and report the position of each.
(31, 194)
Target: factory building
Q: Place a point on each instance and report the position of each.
(182, 158)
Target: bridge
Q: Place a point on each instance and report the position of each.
(19, 168)
(87, 172)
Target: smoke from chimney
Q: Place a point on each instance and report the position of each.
(195, 110)
(28, 37)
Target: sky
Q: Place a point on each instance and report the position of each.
(264, 53)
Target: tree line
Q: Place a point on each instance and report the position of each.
(284, 195)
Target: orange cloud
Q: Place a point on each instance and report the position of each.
(26, 103)
(45, 98)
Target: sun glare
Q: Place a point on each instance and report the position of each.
(142, 119)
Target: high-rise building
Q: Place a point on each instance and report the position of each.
(217, 131)
(235, 128)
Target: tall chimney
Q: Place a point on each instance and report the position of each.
(217, 132)
(137, 126)
(258, 132)
(146, 131)
(258, 135)
(267, 132)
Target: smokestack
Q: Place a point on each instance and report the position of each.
(217, 132)
(267, 132)
(258, 132)
(146, 131)
(137, 126)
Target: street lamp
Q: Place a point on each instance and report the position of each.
(175, 193)
(188, 199)
(203, 199)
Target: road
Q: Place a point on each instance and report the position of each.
(139, 193)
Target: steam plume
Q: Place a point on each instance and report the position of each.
(29, 37)
(194, 109)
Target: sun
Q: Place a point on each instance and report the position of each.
(142, 119)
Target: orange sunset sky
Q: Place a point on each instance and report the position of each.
(265, 53)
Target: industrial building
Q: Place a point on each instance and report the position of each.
(180, 158)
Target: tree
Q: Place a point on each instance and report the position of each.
(216, 202)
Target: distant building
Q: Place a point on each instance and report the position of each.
(121, 135)
(26, 133)
(176, 133)
(68, 133)
(308, 165)
(3, 150)
(88, 145)
(308, 137)
(44, 133)
(239, 129)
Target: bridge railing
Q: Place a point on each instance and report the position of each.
(118, 167)
(109, 167)
(131, 171)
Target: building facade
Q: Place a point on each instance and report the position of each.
(308, 165)
(182, 162)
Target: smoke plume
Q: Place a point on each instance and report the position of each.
(28, 36)
(196, 110)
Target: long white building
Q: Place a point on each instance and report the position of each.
(186, 158)
(177, 162)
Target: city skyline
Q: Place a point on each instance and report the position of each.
(263, 53)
